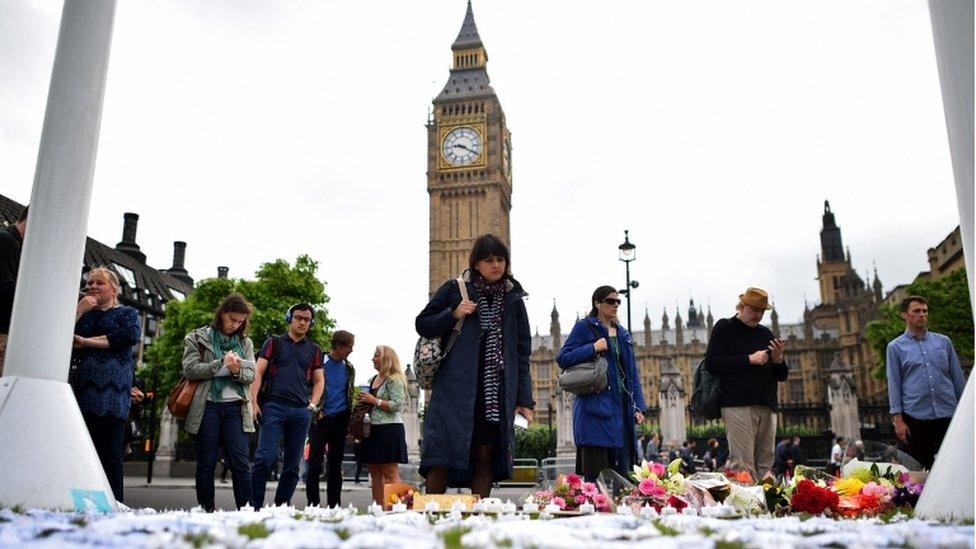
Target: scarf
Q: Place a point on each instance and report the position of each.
(491, 305)
(221, 344)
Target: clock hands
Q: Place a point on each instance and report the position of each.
(465, 147)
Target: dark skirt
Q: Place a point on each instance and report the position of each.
(385, 444)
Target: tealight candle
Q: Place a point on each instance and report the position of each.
(375, 509)
(508, 507)
(669, 511)
(478, 507)
(587, 508)
(457, 505)
(552, 508)
(649, 512)
(399, 507)
(432, 506)
(625, 510)
(530, 507)
(689, 511)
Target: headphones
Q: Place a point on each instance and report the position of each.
(288, 314)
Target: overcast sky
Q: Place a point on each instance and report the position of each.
(713, 131)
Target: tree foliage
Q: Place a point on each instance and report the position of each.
(277, 285)
(950, 313)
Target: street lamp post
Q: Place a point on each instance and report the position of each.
(551, 451)
(628, 252)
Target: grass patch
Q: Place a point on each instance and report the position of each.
(46, 533)
(253, 530)
(452, 538)
(80, 522)
(198, 539)
(342, 533)
(664, 529)
(729, 545)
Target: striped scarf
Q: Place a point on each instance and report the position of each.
(491, 305)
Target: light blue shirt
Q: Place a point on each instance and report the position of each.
(924, 377)
(335, 387)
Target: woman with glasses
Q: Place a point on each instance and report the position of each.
(604, 423)
(221, 357)
(484, 381)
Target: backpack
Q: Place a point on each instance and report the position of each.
(707, 396)
(427, 355)
(267, 380)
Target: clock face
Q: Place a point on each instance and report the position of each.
(462, 146)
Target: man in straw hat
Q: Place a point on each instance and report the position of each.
(749, 361)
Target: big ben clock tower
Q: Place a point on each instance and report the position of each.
(469, 160)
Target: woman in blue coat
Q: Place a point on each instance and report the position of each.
(468, 433)
(604, 422)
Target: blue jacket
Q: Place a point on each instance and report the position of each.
(597, 417)
(449, 417)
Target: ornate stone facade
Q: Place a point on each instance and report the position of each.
(831, 333)
(469, 160)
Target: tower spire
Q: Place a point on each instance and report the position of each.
(468, 36)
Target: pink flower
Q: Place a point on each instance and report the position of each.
(580, 500)
(560, 502)
(658, 469)
(600, 502)
(658, 491)
(590, 489)
(876, 490)
(646, 486)
(574, 481)
(547, 494)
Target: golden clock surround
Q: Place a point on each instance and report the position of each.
(443, 164)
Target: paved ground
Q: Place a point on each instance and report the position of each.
(179, 493)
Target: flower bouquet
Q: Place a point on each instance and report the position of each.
(658, 486)
(569, 493)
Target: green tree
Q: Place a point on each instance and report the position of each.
(950, 313)
(277, 285)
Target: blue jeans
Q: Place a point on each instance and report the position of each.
(222, 425)
(277, 421)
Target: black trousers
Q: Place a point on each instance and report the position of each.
(924, 437)
(107, 434)
(326, 435)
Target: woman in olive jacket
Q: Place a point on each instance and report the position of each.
(468, 426)
(221, 357)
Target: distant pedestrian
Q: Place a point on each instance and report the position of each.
(836, 456)
(386, 446)
(925, 382)
(328, 432)
(688, 466)
(11, 240)
(652, 451)
(784, 459)
(749, 361)
(221, 357)
(105, 333)
(604, 423)
(711, 455)
(291, 366)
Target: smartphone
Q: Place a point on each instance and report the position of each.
(520, 421)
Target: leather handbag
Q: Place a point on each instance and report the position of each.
(179, 399)
(427, 356)
(586, 377)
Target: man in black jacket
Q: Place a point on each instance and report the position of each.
(750, 362)
(11, 240)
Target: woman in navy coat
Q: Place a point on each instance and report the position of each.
(468, 437)
(604, 422)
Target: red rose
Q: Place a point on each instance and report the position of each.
(810, 498)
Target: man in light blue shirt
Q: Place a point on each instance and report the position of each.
(925, 382)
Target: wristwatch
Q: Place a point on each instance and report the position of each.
(312, 408)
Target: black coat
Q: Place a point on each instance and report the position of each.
(449, 417)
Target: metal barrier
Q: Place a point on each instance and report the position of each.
(555, 466)
(525, 472)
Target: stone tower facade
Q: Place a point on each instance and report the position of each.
(469, 160)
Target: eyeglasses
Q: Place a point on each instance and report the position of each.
(302, 318)
(612, 301)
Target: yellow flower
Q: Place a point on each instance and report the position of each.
(848, 486)
(863, 474)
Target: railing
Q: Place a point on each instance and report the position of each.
(555, 466)
(525, 472)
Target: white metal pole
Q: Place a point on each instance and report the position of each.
(47, 458)
(54, 240)
(948, 493)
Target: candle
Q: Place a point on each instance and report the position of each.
(375, 509)
(649, 512)
(587, 508)
(530, 507)
(625, 510)
(478, 507)
(508, 507)
(457, 505)
(552, 508)
(689, 511)
(432, 506)
(399, 507)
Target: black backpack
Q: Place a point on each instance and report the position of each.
(707, 397)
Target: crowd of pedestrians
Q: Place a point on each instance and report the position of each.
(298, 398)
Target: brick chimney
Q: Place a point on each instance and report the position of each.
(222, 272)
(177, 271)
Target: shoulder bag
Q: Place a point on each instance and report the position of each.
(586, 377)
(179, 399)
(427, 356)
